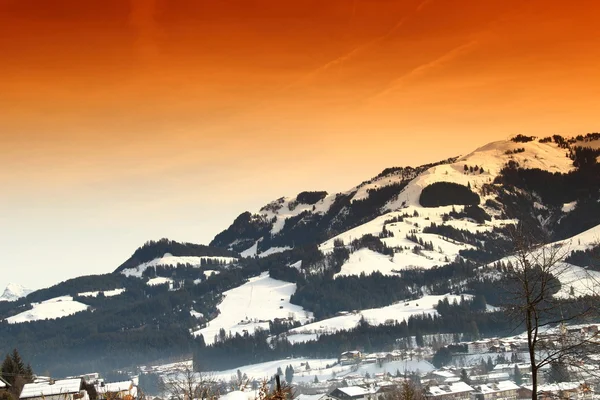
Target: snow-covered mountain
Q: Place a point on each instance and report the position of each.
(14, 292)
(306, 267)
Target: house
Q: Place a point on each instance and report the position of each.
(63, 389)
(117, 390)
(4, 386)
(350, 357)
(480, 346)
(350, 393)
(561, 391)
(454, 391)
(503, 390)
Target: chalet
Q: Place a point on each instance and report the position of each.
(503, 390)
(350, 357)
(64, 389)
(454, 391)
(125, 390)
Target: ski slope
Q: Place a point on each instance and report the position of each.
(54, 308)
(252, 305)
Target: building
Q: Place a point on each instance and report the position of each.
(560, 391)
(350, 393)
(480, 346)
(125, 390)
(4, 386)
(63, 389)
(454, 391)
(350, 357)
(503, 390)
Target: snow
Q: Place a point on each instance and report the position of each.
(54, 308)
(196, 314)
(322, 368)
(274, 250)
(170, 260)
(239, 395)
(14, 292)
(159, 280)
(280, 210)
(376, 316)
(211, 272)
(492, 157)
(250, 251)
(106, 293)
(251, 306)
(568, 207)
(583, 281)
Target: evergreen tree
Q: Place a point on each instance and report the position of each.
(289, 374)
(464, 376)
(279, 371)
(517, 375)
(316, 380)
(490, 364)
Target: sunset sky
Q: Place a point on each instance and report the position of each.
(128, 120)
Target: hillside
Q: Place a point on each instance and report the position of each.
(411, 251)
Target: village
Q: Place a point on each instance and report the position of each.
(487, 369)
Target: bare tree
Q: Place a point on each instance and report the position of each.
(407, 390)
(185, 384)
(537, 301)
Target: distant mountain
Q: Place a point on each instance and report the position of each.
(14, 292)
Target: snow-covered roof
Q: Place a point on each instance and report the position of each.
(445, 374)
(114, 387)
(353, 391)
(497, 387)
(42, 389)
(458, 387)
(556, 387)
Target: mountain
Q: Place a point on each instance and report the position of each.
(14, 292)
(411, 251)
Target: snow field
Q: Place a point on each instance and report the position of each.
(173, 261)
(54, 308)
(106, 293)
(375, 316)
(252, 305)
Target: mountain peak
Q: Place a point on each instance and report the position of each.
(14, 291)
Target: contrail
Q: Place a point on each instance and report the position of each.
(422, 69)
(345, 57)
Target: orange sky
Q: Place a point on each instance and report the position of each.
(193, 111)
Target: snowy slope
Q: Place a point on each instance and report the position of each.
(252, 305)
(376, 316)
(322, 368)
(173, 261)
(106, 293)
(54, 308)
(492, 157)
(14, 292)
(583, 281)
